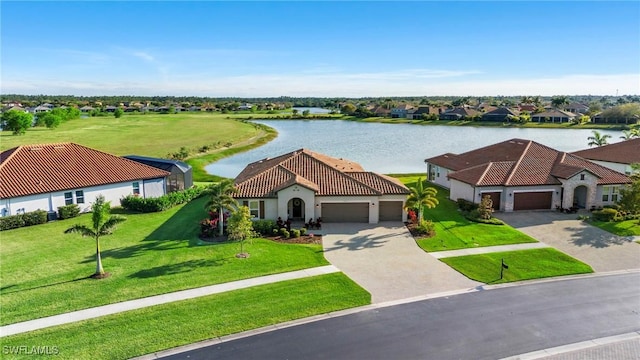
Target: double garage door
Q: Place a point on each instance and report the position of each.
(359, 212)
(532, 200)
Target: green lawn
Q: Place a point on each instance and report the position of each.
(44, 271)
(622, 228)
(454, 231)
(139, 332)
(523, 265)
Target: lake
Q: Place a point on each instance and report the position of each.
(393, 148)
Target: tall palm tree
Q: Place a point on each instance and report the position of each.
(220, 199)
(102, 223)
(421, 197)
(558, 101)
(598, 139)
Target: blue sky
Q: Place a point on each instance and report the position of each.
(326, 49)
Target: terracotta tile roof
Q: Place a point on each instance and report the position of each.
(36, 169)
(323, 174)
(519, 162)
(624, 152)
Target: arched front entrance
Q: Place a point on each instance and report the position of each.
(580, 196)
(296, 209)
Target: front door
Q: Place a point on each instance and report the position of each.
(297, 209)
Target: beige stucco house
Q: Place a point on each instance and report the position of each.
(617, 156)
(303, 185)
(522, 174)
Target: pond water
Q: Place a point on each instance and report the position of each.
(312, 110)
(393, 148)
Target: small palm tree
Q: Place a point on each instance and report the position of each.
(598, 139)
(422, 197)
(630, 134)
(102, 223)
(220, 199)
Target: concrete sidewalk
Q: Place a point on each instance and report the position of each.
(99, 311)
(487, 249)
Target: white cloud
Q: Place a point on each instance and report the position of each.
(415, 82)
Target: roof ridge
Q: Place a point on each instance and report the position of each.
(15, 151)
(484, 173)
(341, 173)
(517, 164)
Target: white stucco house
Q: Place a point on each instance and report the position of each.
(522, 174)
(44, 177)
(303, 185)
(617, 156)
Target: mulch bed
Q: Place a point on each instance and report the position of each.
(417, 235)
(306, 239)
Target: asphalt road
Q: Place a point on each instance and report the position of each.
(488, 324)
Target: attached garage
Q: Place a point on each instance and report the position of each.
(532, 200)
(391, 211)
(495, 198)
(345, 212)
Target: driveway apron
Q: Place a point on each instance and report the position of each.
(600, 249)
(385, 260)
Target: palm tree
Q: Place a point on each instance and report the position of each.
(221, 199)
(102, 223)
(422, 197)
(558, 101)
(630, 134)
(598, 139)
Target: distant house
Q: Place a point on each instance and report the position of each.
(400, 111)
(303, 185)
(381, 111)
(86, 109)
(600, 119)
(110, 108)
(44, 177)
(459, 113)
(530, 108)
(501, 114)
(41, 109)
(522, 174)
(421, 111)
(245, 106)
(181, 174)
(617, 156)
(577, 108)
(554, 116)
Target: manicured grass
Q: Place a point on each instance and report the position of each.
(454, 231)
(138, 332)
(622, 228)
(44, 271)
(523, 265)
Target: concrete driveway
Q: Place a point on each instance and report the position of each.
(598, 248)
(386, 261)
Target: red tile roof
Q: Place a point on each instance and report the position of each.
(519, 162)
(323, 174)
(36, 169)
(624, 152)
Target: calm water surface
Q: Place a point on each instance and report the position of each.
(393, 148)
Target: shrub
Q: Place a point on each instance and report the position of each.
(161, 203)
(426, 227)
(285, 233)
(303, 231)
(27, 219)
(208, 227)
(282, 231)
(413, 216)
(11, 222)
(275, 231)
(35, 217)
(264, 227)
(68, 211)
(466, 205)
(295, 233)
(606, 214)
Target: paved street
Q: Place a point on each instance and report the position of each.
(491, 324)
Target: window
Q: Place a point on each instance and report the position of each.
(614, 194)
(136, 188)
(254, 209)
(68, 198)
(79, 197)
(605, 193)
(581, 176)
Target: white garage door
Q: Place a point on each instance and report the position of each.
(345, 212)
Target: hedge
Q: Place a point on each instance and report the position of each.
(27, 219)
(68, 211)
(164, 202)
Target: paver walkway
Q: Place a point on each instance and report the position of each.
(95, 312)
(487, 249)
(386, 261)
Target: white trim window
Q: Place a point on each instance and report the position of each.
(79, 197)
(68, 198)
(610, 193)
(254, 209)
(136, 188)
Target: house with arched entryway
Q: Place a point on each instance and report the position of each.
(303, 185)
(524, 175)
